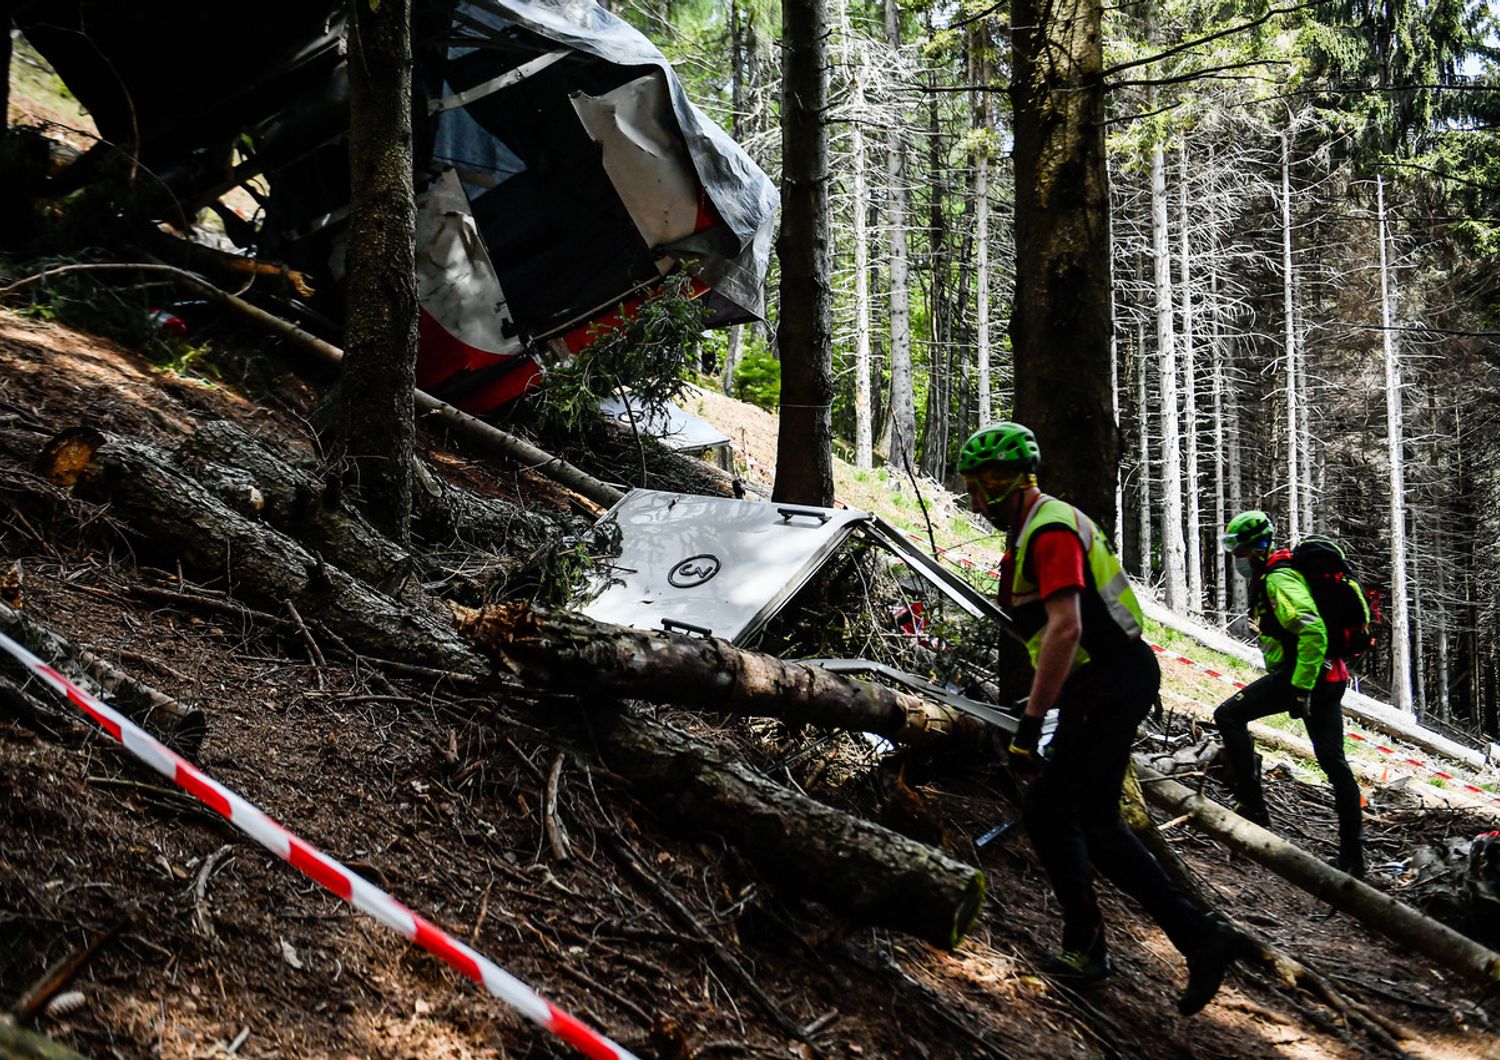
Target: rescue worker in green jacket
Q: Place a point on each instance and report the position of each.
(1066, 592)
(1301, 679)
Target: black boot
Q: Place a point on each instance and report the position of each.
(1351, 862)
(1254, 811)
(1207, 965)
(1076, 969)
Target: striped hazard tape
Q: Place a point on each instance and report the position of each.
(323, 870)
(1357, 737)
(963, 562)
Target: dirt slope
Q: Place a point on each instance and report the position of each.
(436, 793)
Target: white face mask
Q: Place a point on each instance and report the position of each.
(1243, 567)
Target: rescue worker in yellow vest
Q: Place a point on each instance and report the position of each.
(1301, 679)
(1065, 590)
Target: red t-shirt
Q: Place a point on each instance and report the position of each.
(1056, 560)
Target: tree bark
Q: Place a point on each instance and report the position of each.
(1173, 550)
(850, 864)
(1376, 910)
(19, 1044)
(170, 510)
(1189, 391)
(1396, 453)
(182, 726)
(568, 652)
(804, 330)
(1061, 324)
(375, 432)
(1293, 391)
(902, 451)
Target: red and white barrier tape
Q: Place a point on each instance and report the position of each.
(965, 563)
(1355, 736)
(323, 870)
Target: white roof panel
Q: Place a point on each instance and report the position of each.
(714, 564)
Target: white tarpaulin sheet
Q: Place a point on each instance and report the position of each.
(713, 565)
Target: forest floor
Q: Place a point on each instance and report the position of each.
(219, 949)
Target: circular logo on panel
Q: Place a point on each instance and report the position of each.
(695, 570)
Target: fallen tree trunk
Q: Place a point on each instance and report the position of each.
(566, 651)
(850, 864)
(1288, 971)
(856, 866)
(19, 1044)
(294, 501)
(1392, 918)
(181, 726)
(171, 510)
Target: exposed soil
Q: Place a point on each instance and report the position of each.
(435, 793)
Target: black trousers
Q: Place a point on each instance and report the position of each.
(1072, 811)
(1273, 694)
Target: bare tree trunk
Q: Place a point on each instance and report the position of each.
(1221, 579)
(1375, 909)
(903, 400)
(1062, 244)
(380, 351)
(1173, 547)
(863, 431)
(982, 230)
(564, 651)
(935, 435)
(1143, 414)
(1396, 452)
(734, 344)
(1293, 392)
(1189, 392)
(804, 331)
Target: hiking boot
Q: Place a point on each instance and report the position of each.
(1254, 812)
(1075, 969)
(1206, 968)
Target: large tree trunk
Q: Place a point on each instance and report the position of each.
(1173, 551)
(567, 652)
(858, 164)
(1396, 453)
(375, 429)
(1375, 909)
(1189, 391)
(902, 449)
(1289, 324)
(850, 864)
(1061, 323)
(804, 330)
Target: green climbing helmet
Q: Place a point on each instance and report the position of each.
(1249, 530)
(1009, 445)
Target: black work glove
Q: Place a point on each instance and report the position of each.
(1301, 703)
(1023, 759)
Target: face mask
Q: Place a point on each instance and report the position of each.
(1243, 567)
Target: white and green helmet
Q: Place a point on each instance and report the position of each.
(1252, 529)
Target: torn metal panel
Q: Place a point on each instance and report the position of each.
(713, 565)
(970, 599)
(985, 712)
(667, 423)
(645, 158)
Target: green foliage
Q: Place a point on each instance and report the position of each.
(651, 356)
(757, 379)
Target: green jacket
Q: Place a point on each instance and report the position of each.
(1289, 622)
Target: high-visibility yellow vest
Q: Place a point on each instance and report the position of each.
(1106, 578)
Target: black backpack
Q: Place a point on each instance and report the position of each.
(1335, 591)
